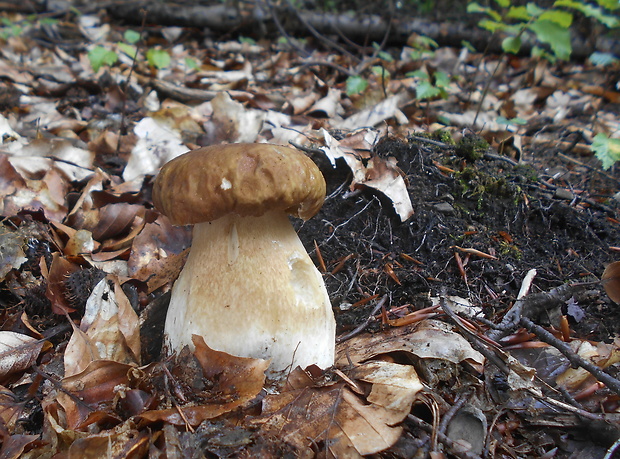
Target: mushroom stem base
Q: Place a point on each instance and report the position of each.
(251, 290)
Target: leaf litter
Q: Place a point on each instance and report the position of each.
(84, 250)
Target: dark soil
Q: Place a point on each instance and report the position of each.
(490, 205)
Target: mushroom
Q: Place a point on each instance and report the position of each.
(249, 287)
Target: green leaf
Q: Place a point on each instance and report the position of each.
(444, 120)
(609, 4)
(418, 74)
(534, 10)
(380, 71)
(471, 48)
(511, 45)
(100, 56)
(561, 18)
(424, 42)
(48, 21)
(425, 90)
(442, 80)
(603, 59)
(502, 120)
(588, 10)
(131, 36)
(131, 51)
(519, 12)
(503, 3)
(356, 85)
(158, 58)
(192, 63)
(607, 150)
(248, 40)
(492, 26)
(475, 7)
(555, 36)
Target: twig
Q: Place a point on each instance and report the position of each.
(437, 143)
(317, 35)
(360, 328)
(443, 438)
(291, 41)
(575, 360)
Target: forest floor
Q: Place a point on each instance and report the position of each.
(442, 215)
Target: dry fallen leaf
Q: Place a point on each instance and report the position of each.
(337, 421)
(236, 381)
(380, 174)
(17, 352)
(611, 281)
(110, 329)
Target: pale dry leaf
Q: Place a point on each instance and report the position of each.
(79, 353)
(236, 123)
(379, 174)
(329, 106)
(17, 352)
(111, 324)
(429, 339)
(394, 386)
(157, 144)
(369, 117)
(236, 381)
(342, 424)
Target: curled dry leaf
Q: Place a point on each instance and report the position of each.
(376, 114)
(10, 408)
(17, 352)
(116, 219)
(59, 271)
(235, 122)
(611, 281)
(236, 381)
(380, 174)
(109, 330)
(157, 144)
(429, 339)
(335, 419)
(158, 253)
(87, 396)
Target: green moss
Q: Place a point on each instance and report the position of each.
(482, 186)
(510, 250)
(471, 147)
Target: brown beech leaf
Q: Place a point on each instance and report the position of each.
(334, 419)
(158, 253)
(15, 445)
(87, 396)
(128, 444)
(429, 339)
(59, 270)
(611, 281)
(10, 408)
(17, 352)
(237, 380)
(116, 219)
(109, 329)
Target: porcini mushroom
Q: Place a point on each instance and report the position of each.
(249, 287)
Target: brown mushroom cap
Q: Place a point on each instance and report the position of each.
(248, 179)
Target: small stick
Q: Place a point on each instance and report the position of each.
(443, 438)
(575, 360)
(360, 328)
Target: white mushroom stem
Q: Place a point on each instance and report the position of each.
(251, 290)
